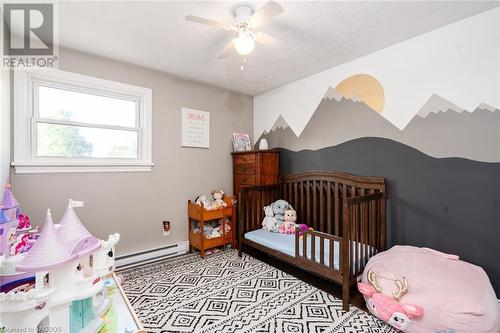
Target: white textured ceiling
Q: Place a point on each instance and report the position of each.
(318, 35)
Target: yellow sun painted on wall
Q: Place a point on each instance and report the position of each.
(365, 88)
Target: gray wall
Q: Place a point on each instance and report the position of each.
(443, 171)
(451, 133)
(449, 204)
(134, 204)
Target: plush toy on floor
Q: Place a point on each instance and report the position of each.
(288, 225)
(269, 224)
(457, 296)
(387, 308)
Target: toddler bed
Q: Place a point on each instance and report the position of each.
(346, 214)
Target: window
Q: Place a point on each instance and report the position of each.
(66, 122)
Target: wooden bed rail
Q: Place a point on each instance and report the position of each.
(316, 256)
(364, 230)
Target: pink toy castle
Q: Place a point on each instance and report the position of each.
(69, 265)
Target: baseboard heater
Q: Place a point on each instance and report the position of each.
(143, 257)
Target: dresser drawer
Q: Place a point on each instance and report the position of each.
(244, 169)
(245, 180)
(244, 159)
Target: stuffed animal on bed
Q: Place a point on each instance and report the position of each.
(270, 224)
(288, 225)
(279, 208)
(387, 308)
(303, 228)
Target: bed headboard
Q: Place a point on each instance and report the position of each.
(318, 196)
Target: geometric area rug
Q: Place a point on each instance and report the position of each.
(225, 293)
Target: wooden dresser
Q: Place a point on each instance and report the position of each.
(256, 167)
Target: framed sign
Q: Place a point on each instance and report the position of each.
(195, 128)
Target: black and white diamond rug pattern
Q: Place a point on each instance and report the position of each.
(225, 293)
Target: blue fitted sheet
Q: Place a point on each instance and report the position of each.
(286, 244)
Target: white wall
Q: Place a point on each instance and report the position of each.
(459, 62)
(4, 126)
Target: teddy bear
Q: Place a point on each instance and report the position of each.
(288, 225)
(279, 208)
(218, 202)
(269, 223)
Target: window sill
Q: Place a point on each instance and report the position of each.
(35, 168)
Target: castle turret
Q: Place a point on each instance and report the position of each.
(78, 240)
(48, 252)
(10, 204)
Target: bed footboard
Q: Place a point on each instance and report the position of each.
(364, 235)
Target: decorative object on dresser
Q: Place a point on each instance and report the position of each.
(241, 142)
(263, 144)
(211, 228)
(347, 216)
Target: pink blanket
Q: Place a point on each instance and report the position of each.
(456, 296)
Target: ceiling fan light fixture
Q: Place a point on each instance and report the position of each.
(245, 43)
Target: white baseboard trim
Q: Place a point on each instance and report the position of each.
(143, 257)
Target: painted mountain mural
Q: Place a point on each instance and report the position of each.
(452, 132)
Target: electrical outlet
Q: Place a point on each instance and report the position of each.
(166, 228)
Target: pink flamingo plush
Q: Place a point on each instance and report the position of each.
(387, 308)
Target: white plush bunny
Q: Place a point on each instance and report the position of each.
(270, 223)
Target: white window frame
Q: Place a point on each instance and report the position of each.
(26, 117)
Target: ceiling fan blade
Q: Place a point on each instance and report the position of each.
(227, 50)
(268, 40)
(208, 22)
(265, 13)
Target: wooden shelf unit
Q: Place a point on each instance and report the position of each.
(201, 215)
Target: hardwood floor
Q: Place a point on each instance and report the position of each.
(327, 286)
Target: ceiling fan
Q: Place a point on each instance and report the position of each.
(246, 24)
